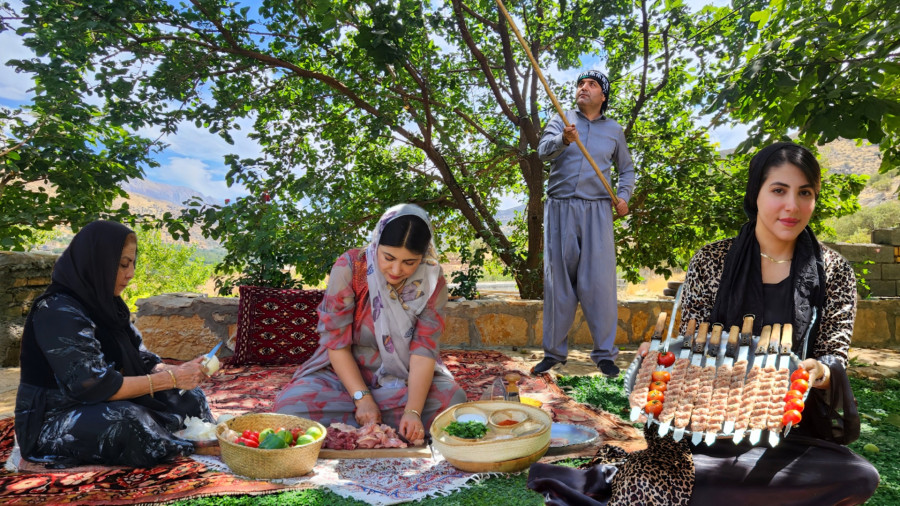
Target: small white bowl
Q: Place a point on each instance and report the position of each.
(464, 414)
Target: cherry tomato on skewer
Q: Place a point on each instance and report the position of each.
(800, 373)
(800, 385)
(656, 394)
(792, 417)
(654, 408)
(658, 385)
(793, 394)
(663, 376)
(796, 404)
(666, 359)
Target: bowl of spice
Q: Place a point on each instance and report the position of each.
(507, 419)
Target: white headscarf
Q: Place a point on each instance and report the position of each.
(395, 315)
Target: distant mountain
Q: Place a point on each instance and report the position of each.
(170, 193)
(506, 215)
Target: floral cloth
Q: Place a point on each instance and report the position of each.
(345, 319)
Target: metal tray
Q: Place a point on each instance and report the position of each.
(576, 437)
(675, 346)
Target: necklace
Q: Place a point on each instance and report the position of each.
(767, 257)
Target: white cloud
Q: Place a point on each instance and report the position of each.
(197, 175)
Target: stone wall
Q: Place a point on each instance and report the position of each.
(23, 277)
(878, 263)
(183, 327)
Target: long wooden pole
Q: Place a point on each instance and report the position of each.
(562, 113)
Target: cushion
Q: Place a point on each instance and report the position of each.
(276, 326)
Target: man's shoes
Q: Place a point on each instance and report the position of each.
(545, 365)
(608, 368)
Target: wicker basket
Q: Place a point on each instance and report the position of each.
(269, 464)
(484, 453)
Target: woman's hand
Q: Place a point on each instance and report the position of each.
(412, 428)
(189, 375)
(643, 349)
(367, 411)
(819, 373)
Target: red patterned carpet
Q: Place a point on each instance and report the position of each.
(238, 390)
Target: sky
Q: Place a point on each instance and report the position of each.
(194, 157)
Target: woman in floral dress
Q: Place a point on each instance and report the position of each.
(379, 325)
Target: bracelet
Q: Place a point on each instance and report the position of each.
(413, 411)
(172, 374)
(151, 384)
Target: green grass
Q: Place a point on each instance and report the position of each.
(879, 407)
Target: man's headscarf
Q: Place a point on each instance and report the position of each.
(602, 80)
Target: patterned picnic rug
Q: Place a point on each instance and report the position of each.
(243, 389)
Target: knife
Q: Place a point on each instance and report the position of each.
(722, 385)
(696, 350)
(677, 390)
(784, 368)
(206, 357)
(708, 375)
(647, 363)
(751, 382)
(739, 371)
(770, 362)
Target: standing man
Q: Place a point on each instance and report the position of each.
(579, 250)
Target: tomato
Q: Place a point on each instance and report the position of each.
(793, 394)
(796, 404)
(666, 359)
(663, 376)
(792, 417)
(296, 432)
(658, 385)
(656, 394)
(800, 385)
(800, 373)
(653, 407)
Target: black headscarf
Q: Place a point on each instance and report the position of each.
(87, 270)
(740, 288)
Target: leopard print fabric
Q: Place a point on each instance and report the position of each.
(705, 272)
(637, 479)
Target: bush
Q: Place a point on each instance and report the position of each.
(163, 268)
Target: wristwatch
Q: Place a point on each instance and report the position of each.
(359, 394)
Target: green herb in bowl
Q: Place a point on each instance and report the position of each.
(466, 430)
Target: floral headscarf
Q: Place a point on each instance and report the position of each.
(395, 314)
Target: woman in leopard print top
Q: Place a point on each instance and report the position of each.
(776, 270)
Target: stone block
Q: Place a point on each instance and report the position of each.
(871, 327)
(882, 288)
(177, 337)
(456, 331)
(889, 236)
(538, 327)
(502, 329)
(873, 271)
(38, 281)
(581, 333)
(862, 252)
(890, 271)
(19, 282)
(641, 329)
